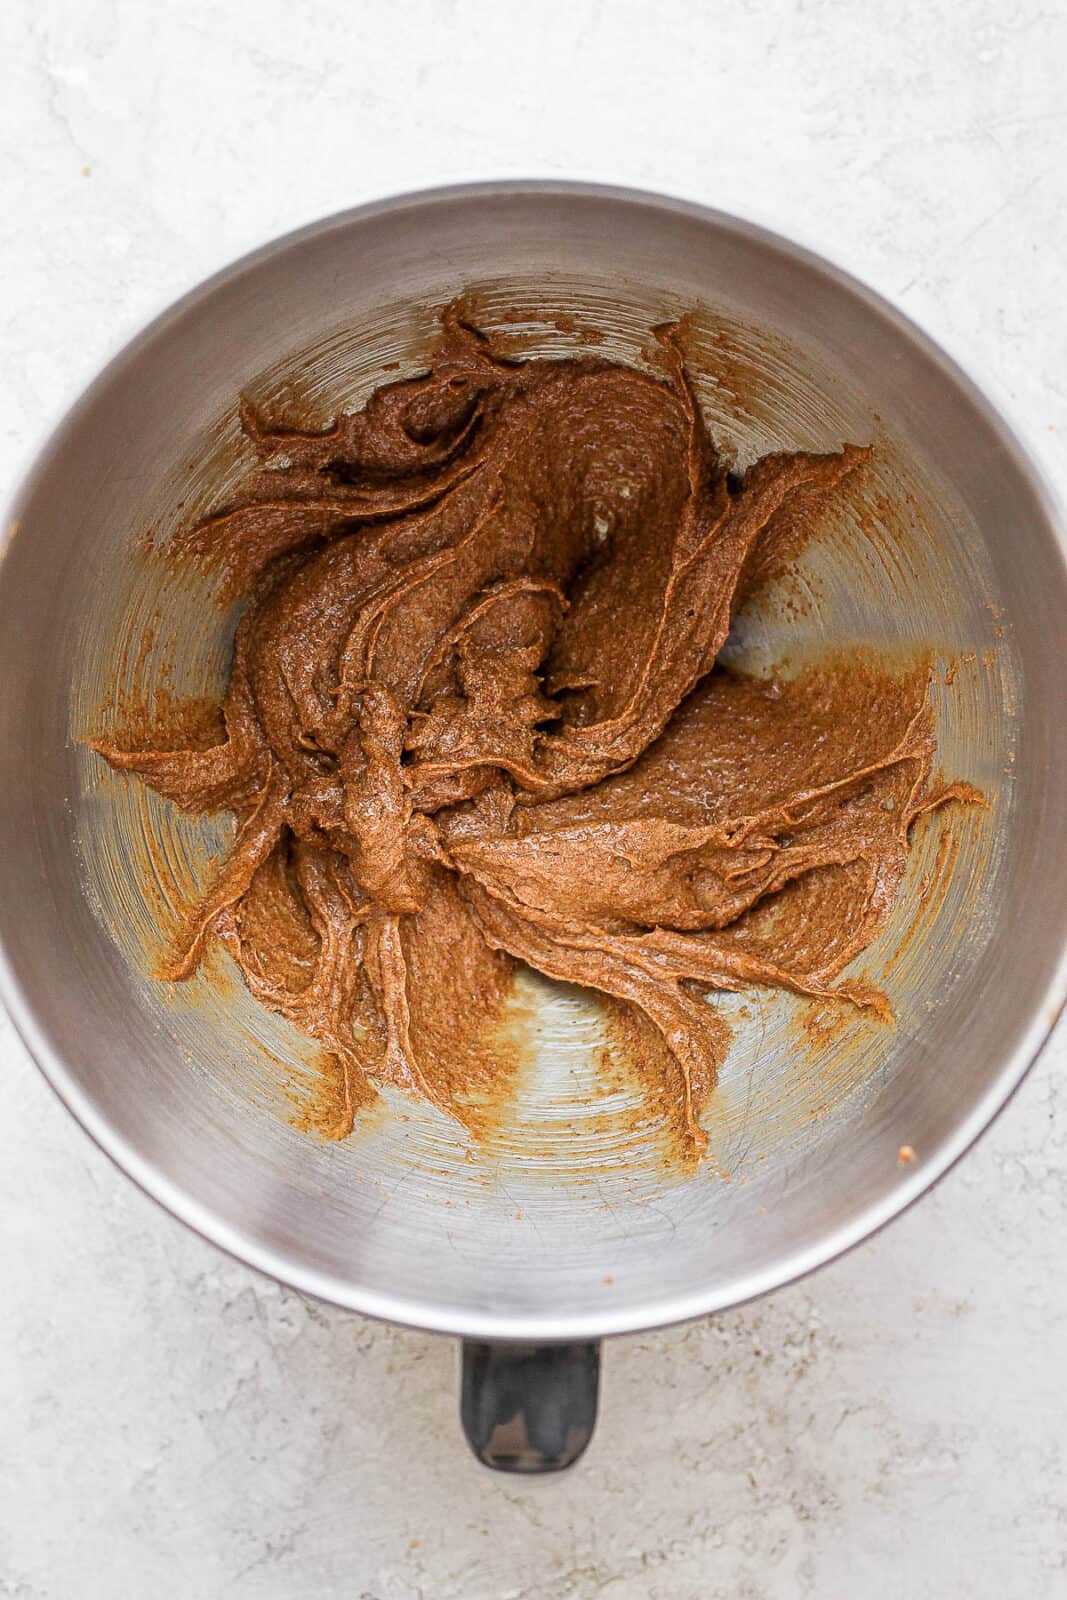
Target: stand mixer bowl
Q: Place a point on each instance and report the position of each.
(563, 1224)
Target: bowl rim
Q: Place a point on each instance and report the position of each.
(560, 1326)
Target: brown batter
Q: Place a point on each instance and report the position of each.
(473, 718)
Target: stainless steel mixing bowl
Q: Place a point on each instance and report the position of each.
(565, 1224)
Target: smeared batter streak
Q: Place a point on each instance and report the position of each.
(474, 717)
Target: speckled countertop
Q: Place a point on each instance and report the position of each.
(174, 1425)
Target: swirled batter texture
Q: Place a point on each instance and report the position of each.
(474, 718)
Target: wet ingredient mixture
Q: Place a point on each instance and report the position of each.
(474, 718)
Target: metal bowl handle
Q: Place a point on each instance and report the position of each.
(529, 1407)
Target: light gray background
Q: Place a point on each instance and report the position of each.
(173, 1425)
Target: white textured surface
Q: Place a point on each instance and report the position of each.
(173, 1425)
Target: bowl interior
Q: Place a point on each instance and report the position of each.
(565, 1216)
